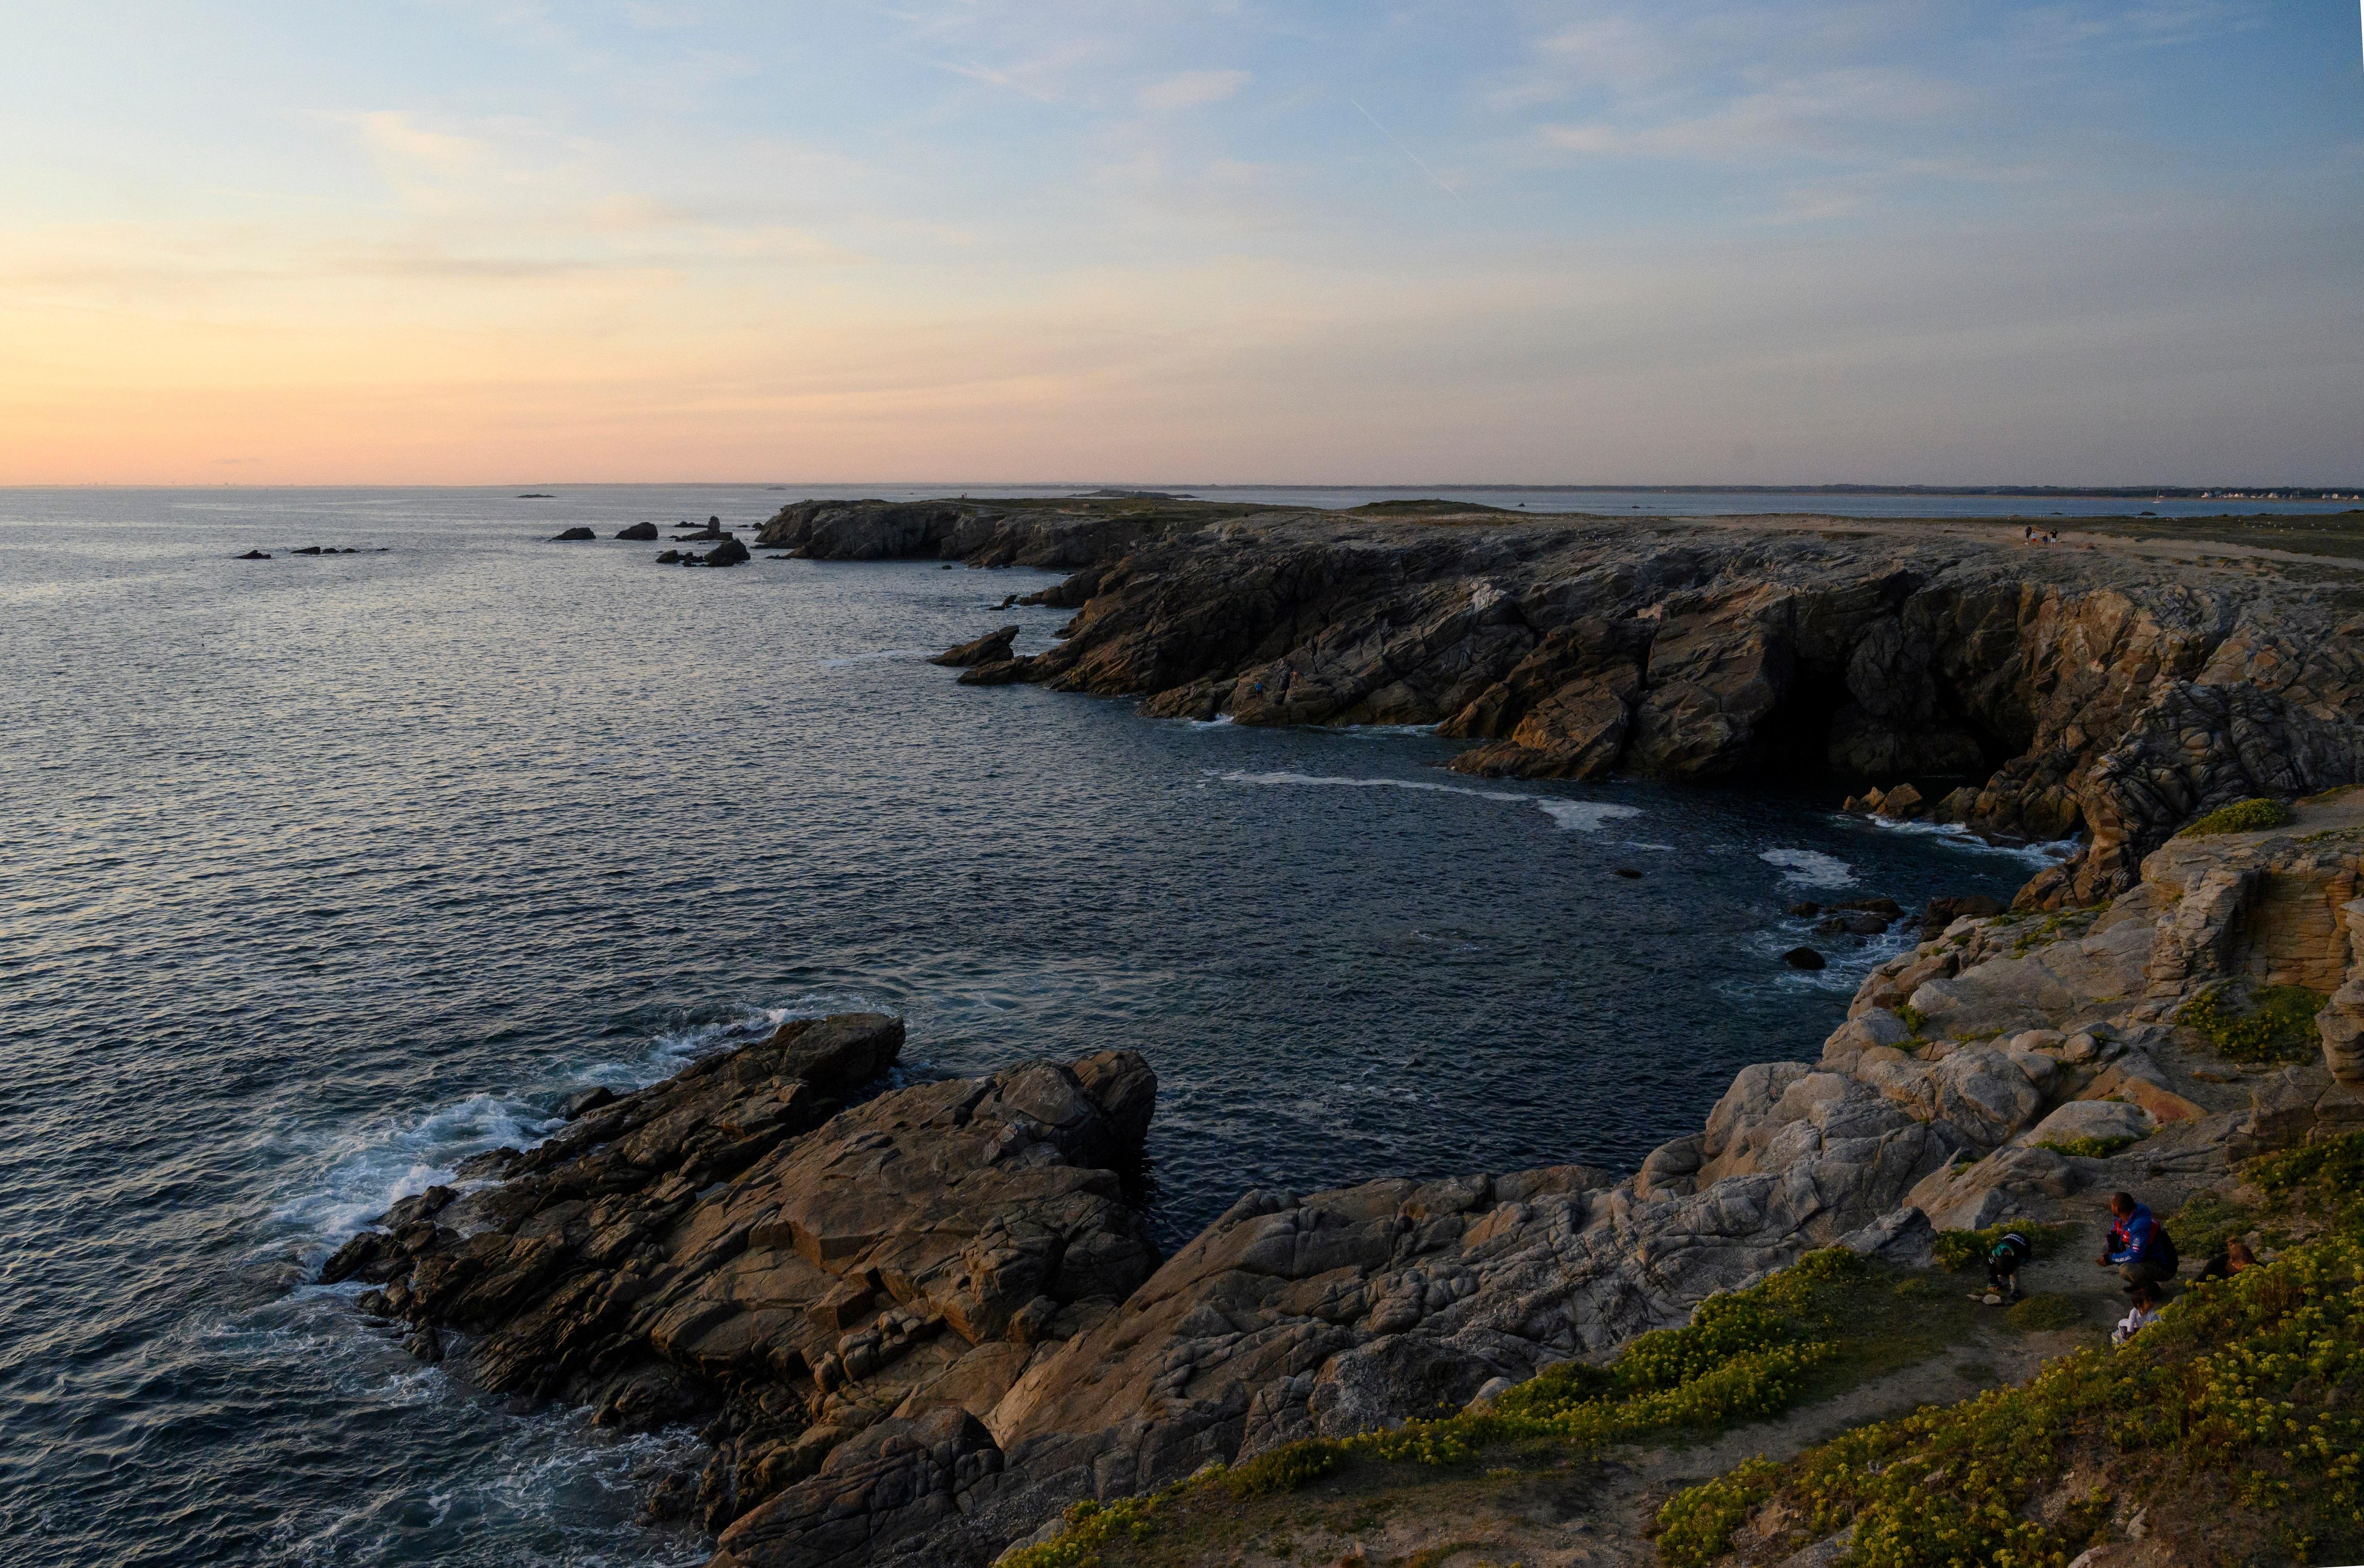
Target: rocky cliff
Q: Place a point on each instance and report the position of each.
(2039, 692)
(919, 1326)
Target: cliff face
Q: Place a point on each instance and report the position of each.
(2063, 691)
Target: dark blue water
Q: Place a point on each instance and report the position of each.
(320, 874)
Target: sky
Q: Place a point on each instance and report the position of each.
(491, 242)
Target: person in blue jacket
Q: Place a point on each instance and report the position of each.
(2139, 1248)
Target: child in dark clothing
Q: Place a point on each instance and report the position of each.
(2003, 1260)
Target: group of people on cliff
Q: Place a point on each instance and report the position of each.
(2144, 1254)
(2139, 1248)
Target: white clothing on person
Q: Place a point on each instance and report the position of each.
(2133, 1322)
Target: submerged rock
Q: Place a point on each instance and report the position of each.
(254, 555)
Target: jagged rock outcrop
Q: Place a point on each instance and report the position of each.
(2068, 692)
(731, 1244)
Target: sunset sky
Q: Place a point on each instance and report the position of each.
(487, 243)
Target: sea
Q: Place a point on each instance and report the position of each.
(320, 874)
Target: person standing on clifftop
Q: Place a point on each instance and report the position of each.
(2140, 1247)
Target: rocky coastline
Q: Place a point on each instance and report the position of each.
(918, 1320)
(2030, 694)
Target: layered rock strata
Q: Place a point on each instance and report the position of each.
(2063, 691)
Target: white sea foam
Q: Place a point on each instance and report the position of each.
(1585, 816)
(369, 1168)
(1577, 815)
(1811, 868)
(1287, 778)
(1953, 836)
(847, 662)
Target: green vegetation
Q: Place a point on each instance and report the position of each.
(1829, 1320)
(2092, 1148)
(2235, 1417)
(2206, 1222)
(2254, 815)
(2277, 1026)
(2056, 926)
(2038, 1314)
(1914, 1019)
(2335, 1166)
(1960, 1250)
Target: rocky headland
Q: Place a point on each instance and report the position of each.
(918, 1320)
(2035, 693)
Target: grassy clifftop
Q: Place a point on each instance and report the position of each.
(2230, 1431)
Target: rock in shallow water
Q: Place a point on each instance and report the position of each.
(993, 647)
(1804, 958)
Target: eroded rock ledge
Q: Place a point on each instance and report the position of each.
(2068, 693)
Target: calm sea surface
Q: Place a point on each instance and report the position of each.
(318, 874)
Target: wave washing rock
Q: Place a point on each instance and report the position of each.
(730, 1244)
(2070, 692)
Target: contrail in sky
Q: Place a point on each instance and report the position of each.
(1414, 157)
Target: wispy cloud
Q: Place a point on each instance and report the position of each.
(1191, 89)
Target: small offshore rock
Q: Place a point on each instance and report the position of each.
(668, 558)
(1887, 906)
(1806, 908)
(639, 533)
(991, 649)
(567, 535)
(1628, 873)
(730, 553)
(1804, 958)
(254, 555)
(307, 550)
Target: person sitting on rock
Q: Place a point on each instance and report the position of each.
(2144, 1314)
(2235, 1257)
(2139, 1248)
(2003, 1262)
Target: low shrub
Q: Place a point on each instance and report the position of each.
(2206, 1222)
(2092, 1148)
(2277, 1026)
(2337, 1163)
(2254, 815)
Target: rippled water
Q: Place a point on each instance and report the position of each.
(322, 873)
